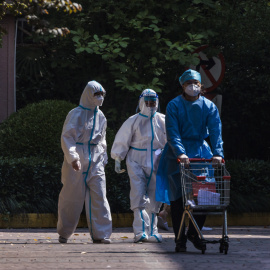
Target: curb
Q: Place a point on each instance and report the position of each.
(125, 220)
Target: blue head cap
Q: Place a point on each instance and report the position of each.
(190, 74)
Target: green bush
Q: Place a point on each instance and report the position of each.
(29, 185)
(250, 186)
(32, 184)
(30, 166)
(35, 131)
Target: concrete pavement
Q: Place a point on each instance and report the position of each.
(39, 249)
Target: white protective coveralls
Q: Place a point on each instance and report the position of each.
(83, 139)
(140, 139)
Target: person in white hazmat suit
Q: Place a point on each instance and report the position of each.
(83, 177)
(141, 139)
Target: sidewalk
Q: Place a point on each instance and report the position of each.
(39, 249)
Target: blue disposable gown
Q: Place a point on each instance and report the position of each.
(188, 124)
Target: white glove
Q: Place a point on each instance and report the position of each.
(183, 159)
(117, 167)
(216, 161)
(76, 165)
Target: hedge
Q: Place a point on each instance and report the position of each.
(32, 185)
(250, 185)
(35, 131)
(31, 160)
(30, 167)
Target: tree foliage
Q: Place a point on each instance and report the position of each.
(244, 39)
(35, 11)
(130, 46)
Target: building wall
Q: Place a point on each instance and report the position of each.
(7, 69)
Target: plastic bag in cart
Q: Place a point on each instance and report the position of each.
(206, 197)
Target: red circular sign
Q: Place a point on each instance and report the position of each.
(212, 69)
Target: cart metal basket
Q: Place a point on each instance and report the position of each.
(206, 191)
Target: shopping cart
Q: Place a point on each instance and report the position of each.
(206, 191)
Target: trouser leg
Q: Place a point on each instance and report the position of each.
(153, 235)
(97, 208)
(200, 219)
(70, 205)
(141, 224)
(177, 210)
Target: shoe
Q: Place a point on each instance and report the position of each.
(162, 224)
(62, 239)
(106, 241)
(102, 241)
(196, 241)
(156, 238)
(182, 245)
(141, 237)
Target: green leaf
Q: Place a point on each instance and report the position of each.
(123, 44)
(155, 80)
(76, 39)
(190, 18)
(168, 43)
(153, 60)
(117, 50)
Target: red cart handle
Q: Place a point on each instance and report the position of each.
(199, 160)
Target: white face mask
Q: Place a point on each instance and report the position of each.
(193, 90)
(98, 100)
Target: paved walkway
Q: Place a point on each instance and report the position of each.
(39, 249)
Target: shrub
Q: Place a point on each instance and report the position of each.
(30, 166)
(32, 185)
(35, 131)
(250, 186)
(29, 185)
(117, 184)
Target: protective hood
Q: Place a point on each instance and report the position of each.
(88, 100)
(149, 111)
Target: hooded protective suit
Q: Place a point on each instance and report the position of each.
(138, 140)
(83, 140)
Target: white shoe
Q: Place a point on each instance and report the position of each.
(141, 237)
(156, 238)
(106, 241)
(102, 241)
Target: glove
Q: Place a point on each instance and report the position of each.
(183, 159)
(117, 167)
(216, 161)
(76, 165)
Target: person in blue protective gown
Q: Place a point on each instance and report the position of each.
(83, 142)
(190, 119)
(140, 140)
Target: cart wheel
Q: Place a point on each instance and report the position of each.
(221, 248)
(226, 249)
(203, 249)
